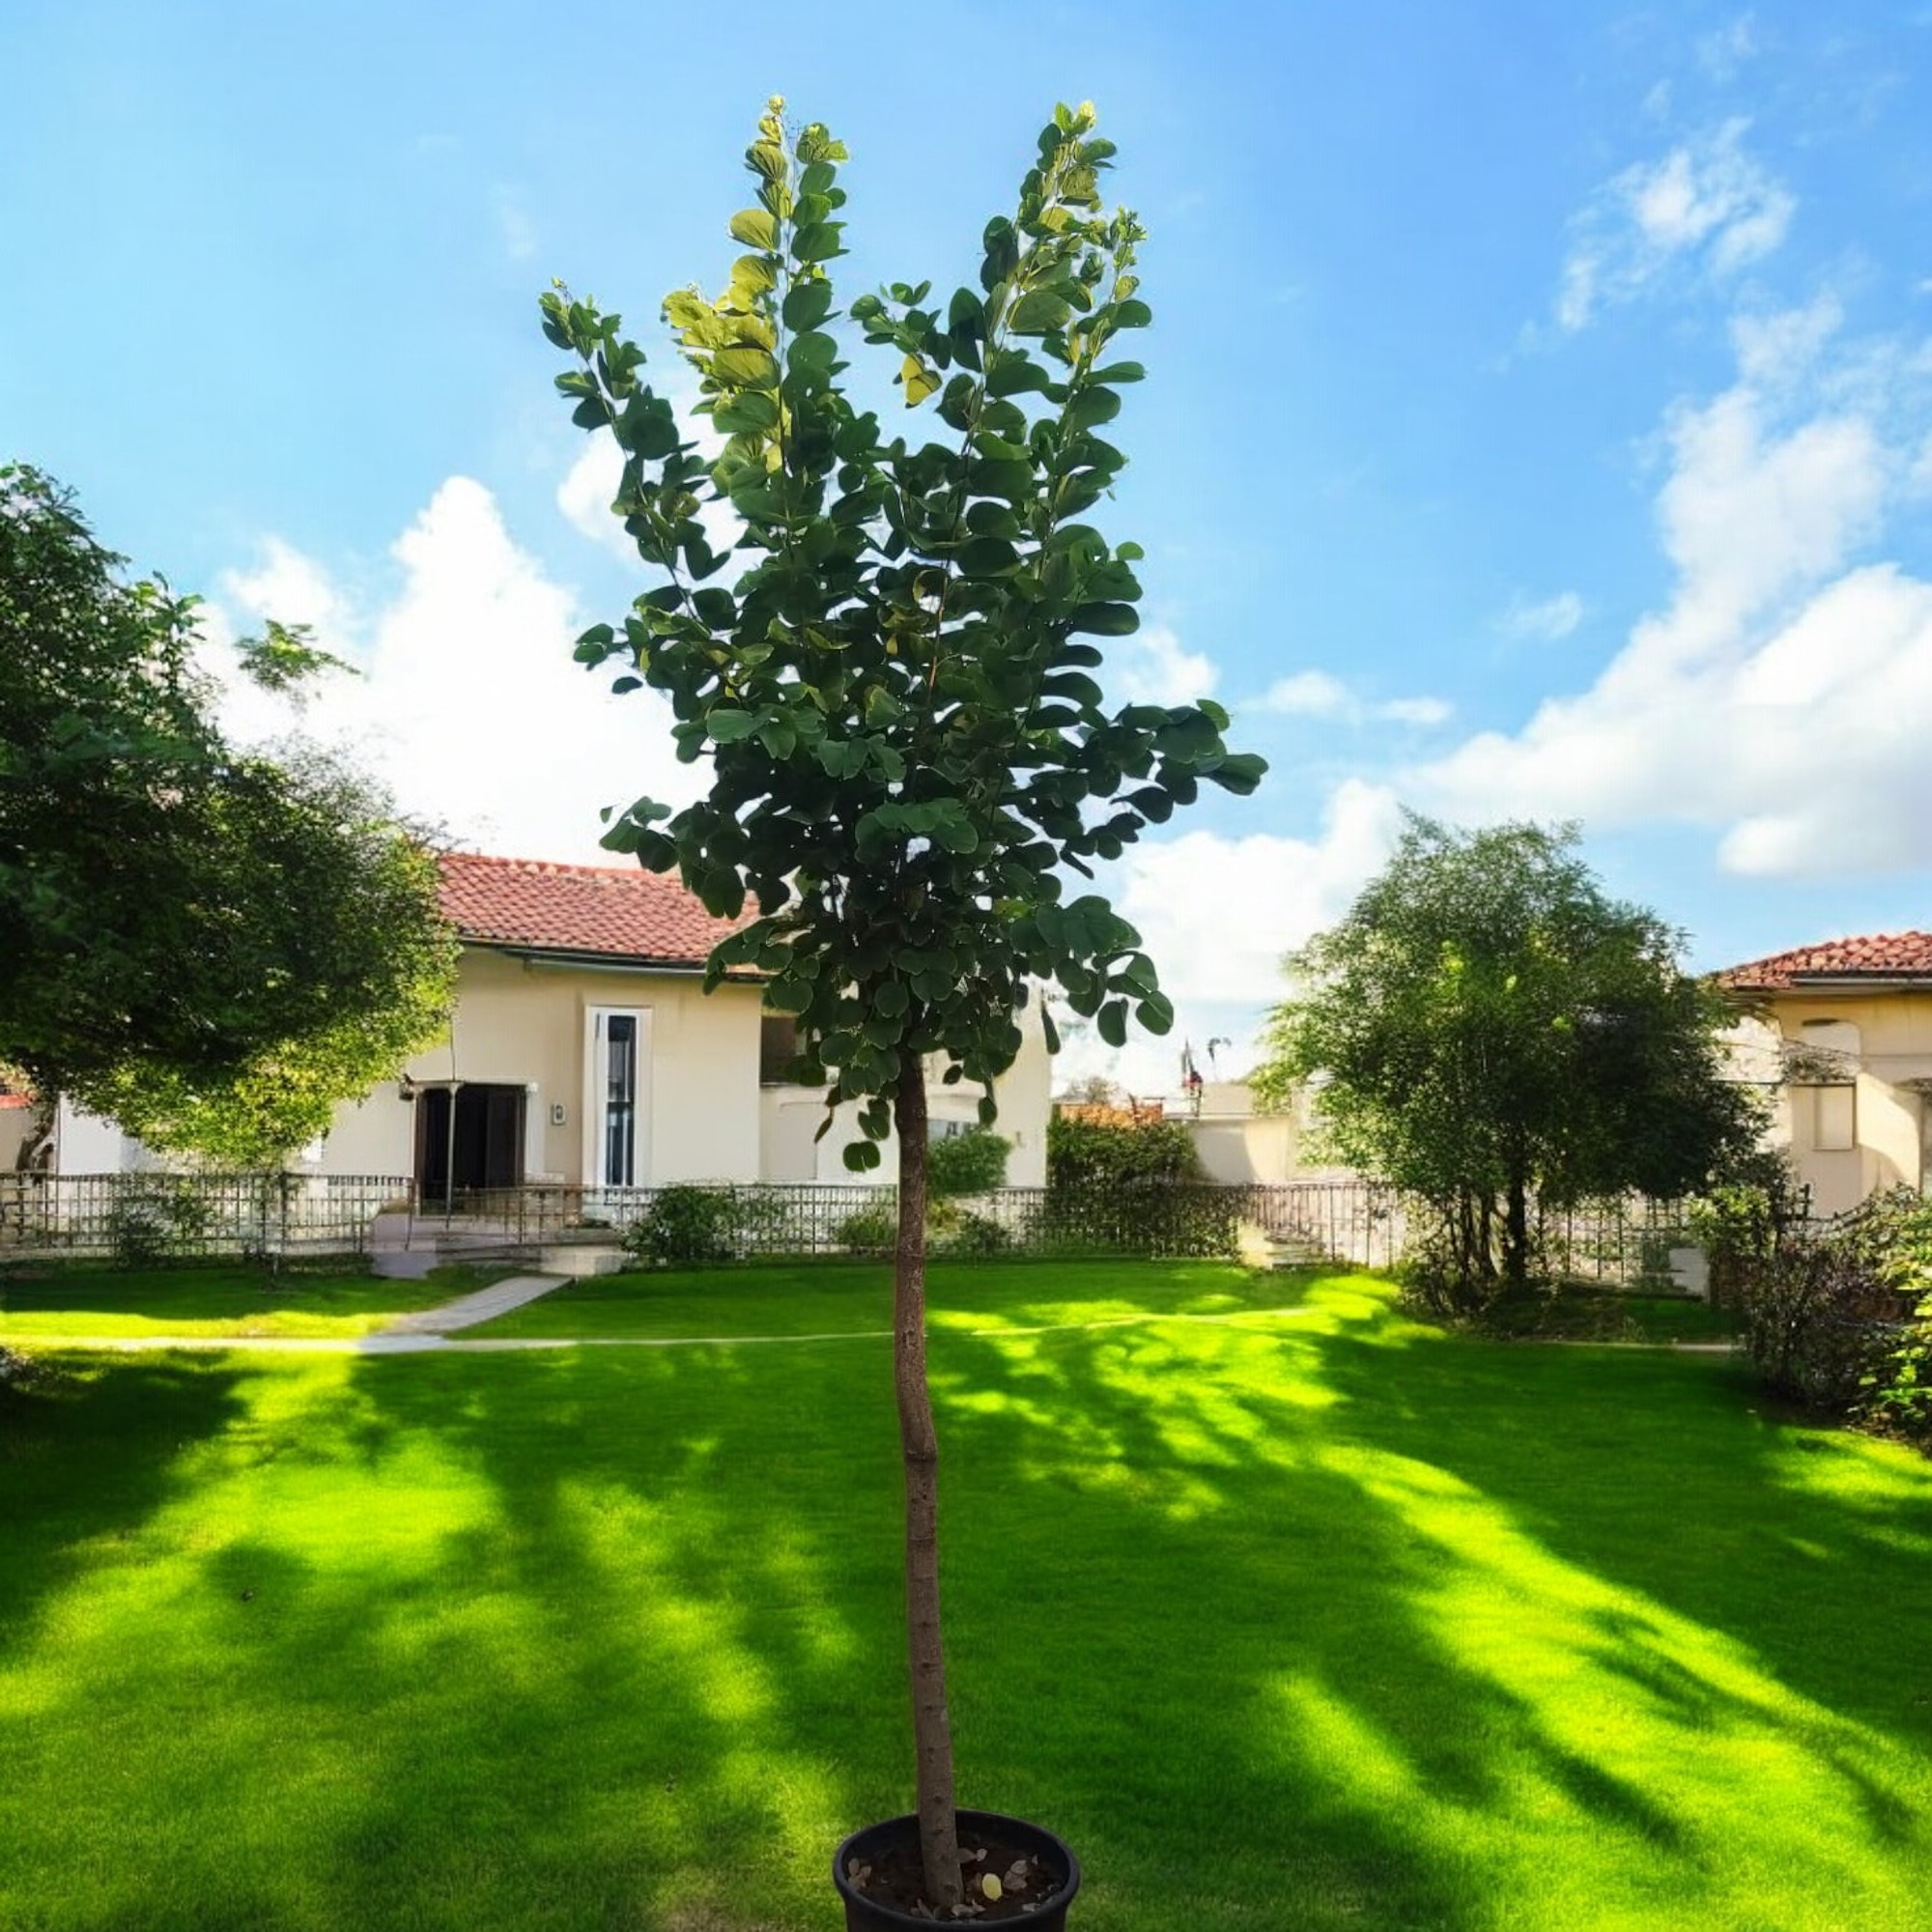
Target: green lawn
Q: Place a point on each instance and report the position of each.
(1305, 1620)
(235, 1300)
(855, 1298)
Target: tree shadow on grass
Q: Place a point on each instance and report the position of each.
(1425, 1665)
(610, 1638)
(90, 1448)
(1672, 1475)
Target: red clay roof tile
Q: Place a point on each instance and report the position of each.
(1882, 955)
(609, 911)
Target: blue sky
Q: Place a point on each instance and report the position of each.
(1539, 419)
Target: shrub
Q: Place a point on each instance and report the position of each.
(159, 1217)
(1088, 1155)
(871, 1230)
(953, 1230)
(687, 1224)
(974, 1162)
(1838, 1317)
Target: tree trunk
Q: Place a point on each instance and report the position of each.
(931, 1728)
(1516, 1238)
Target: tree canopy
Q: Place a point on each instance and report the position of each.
(1496, 1033)
(209, 946)
(910, 752)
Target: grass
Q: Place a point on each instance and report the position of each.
(237, 1301)
(1575, 1312)
(1306, 1620)
(854, 1298)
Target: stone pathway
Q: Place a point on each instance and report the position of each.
(468, 1310)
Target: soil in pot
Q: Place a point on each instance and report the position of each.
(1011, 1871)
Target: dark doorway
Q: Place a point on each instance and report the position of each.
(485, 1150)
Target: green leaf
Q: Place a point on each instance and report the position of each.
(1039, 313)
(1155, 1013)
(812, 349)
(1120, 372)
(750, 411)
(1112, 1021)
(1105, 620)
(1092, 405)
(1010, 372)
(817, 243)
(1132, 315)
(728, 725)
(755, 229)
(1239, 773)
(807, 305)
(986, 557)
(862, 1155)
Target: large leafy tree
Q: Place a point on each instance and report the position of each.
(1497, 1035)
(895, 685)
(211, 947)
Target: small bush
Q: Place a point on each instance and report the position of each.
(1087, 1155)
(872, 1231)
(974, 1162)
(1838, 1317)
(687, 1224)
(971, 1236)
(160, 1218)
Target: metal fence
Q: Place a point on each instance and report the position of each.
(1354, 1221)
(145, 1217)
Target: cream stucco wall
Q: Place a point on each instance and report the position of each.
(790, 1118)
(527, 1023)
(1893, 1054)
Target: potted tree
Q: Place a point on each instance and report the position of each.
(910, 752)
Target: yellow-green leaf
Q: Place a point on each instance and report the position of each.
(754, 228)
(919, 381)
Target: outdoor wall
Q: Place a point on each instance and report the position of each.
(1886, 1038)
(790, 1118)
(1262, 1147)
(525, 1024)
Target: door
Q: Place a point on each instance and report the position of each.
(616, 1111)
(470, 1140)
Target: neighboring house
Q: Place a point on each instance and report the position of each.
(1840, 1036)
(585, 1051)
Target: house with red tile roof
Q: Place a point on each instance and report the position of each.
(1844, 1028)
(582, 1050)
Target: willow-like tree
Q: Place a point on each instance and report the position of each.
(909, 749)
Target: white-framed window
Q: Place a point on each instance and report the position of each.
(617, 1096)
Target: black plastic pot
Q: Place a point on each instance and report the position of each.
(863, 1914)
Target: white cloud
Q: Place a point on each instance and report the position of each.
(1706, 203)
(1153, 667)
(1314, 694)
(1545, 620)
(1427, 712)
(585, 494)
(1779, 698)
(469, 705)
(1308, 694)
(1217, 914)
(1723, 52)
(590, 484)
(290, 587)
(514, 228)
